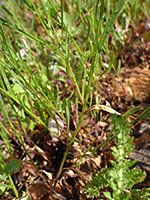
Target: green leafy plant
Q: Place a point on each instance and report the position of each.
(121, 177)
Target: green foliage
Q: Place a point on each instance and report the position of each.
(60, 36)
(5, 174)
(143, 194)
(120, 177)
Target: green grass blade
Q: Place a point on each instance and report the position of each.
(67, 113)
(108, 28)
(110, 23)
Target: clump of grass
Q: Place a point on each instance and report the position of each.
(43, 38)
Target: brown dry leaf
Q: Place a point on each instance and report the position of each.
(39, 191)
(59, 197)
(39, 151)
(97, 161)
(102, 107)
(28, 167)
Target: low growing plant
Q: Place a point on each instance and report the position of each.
(122, 176)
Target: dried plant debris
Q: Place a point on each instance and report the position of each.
(133, 84)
